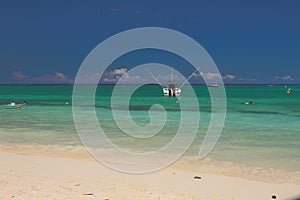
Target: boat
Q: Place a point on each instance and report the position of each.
(172, 90)
(213, 85)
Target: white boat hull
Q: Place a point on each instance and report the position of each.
(172, 92)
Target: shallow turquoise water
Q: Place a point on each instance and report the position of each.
(266, 133)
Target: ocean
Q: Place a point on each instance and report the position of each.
(264, 134)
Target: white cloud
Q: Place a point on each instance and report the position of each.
(18, 75)
(115, 75)
(141, 76)
(285, 78)
(208, 75)
(120, 71)
(213, 76)
(126, 78)
(58, 77)
(229, 77)
(108, 77)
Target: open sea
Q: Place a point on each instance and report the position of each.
(264, 134)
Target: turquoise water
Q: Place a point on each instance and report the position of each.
(266, 133)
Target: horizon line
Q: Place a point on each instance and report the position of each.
(72, 84)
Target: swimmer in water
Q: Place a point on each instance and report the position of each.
(249, 102)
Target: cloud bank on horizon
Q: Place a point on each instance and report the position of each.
(56, 78)
(113, 76)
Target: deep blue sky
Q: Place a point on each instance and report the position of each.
(46, 41)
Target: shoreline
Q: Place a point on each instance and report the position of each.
(43, 173)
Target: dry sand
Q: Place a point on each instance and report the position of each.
(33, 176)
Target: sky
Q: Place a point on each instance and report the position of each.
(251, 42)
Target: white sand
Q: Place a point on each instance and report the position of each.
(27, 176)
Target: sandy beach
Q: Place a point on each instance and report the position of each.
(26, 173)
